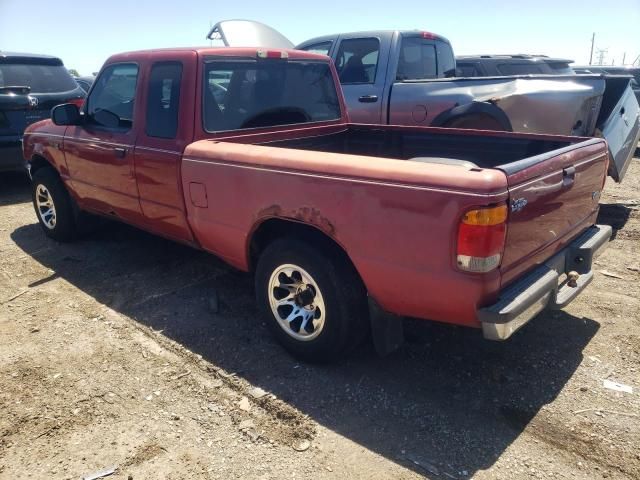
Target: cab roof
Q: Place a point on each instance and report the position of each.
(250, 52)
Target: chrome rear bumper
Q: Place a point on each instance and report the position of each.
(541, 288)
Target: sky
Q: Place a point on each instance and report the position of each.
(85, 34)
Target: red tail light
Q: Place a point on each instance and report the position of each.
(78, 102)
(429, 35)
(481, 237)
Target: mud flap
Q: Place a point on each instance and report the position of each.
(386, 329)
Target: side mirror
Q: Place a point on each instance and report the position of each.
(66, 114)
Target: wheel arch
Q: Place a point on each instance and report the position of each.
(38, 162)
(273, 228)
(474, 108)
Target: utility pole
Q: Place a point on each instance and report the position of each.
(601, 53)
(593, 39)
(624, 57)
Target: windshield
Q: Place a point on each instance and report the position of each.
(264, 93)
(41, 78)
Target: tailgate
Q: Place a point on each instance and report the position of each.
(619, 123)
(553, 197)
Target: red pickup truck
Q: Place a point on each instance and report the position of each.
(248, 154)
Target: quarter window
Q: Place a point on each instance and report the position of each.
(163, 99)
(357, 60)
(417, 59)
(112, 98)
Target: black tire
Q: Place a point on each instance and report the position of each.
(342, 291)
(64, 226)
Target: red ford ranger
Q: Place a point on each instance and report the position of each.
(248, 154)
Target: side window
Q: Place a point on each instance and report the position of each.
(446, 62)
(417, 59)
(163, 99)
(321, 48)
(112, 99)
(357, 60)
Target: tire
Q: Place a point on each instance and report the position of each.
(53, 206)
(325, 290)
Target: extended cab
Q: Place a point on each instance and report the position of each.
(248, 154)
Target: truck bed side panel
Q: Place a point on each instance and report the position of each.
(397, 233)
(533, 105)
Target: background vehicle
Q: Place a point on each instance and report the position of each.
(335, 219)
(611, 70)
(502, 65)
(85, 82)
(30, 85)
(406, 78)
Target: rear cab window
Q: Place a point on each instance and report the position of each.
(163, 97)
(253, 93)
(111, 102)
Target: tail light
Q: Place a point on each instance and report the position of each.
(78, 102)
(481, 236)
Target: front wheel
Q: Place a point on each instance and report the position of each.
(313, 301)
(53, 206)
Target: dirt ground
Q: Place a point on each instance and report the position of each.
(115, 353)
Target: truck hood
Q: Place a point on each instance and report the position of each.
(248, 33)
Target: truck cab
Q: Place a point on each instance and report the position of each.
(364, 62)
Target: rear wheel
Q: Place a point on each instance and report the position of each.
(53, 205)
(314, 302)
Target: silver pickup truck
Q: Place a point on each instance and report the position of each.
(409, 78)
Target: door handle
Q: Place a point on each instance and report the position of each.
(120, 152)
(568, 176)
(368, 98)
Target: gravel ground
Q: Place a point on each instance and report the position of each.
(115, 353)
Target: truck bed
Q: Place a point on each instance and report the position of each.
(484, 150)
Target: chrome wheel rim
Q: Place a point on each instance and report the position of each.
(296, 302)
(46, 208)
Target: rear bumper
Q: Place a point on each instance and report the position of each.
(11, 156)
(543, 288)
